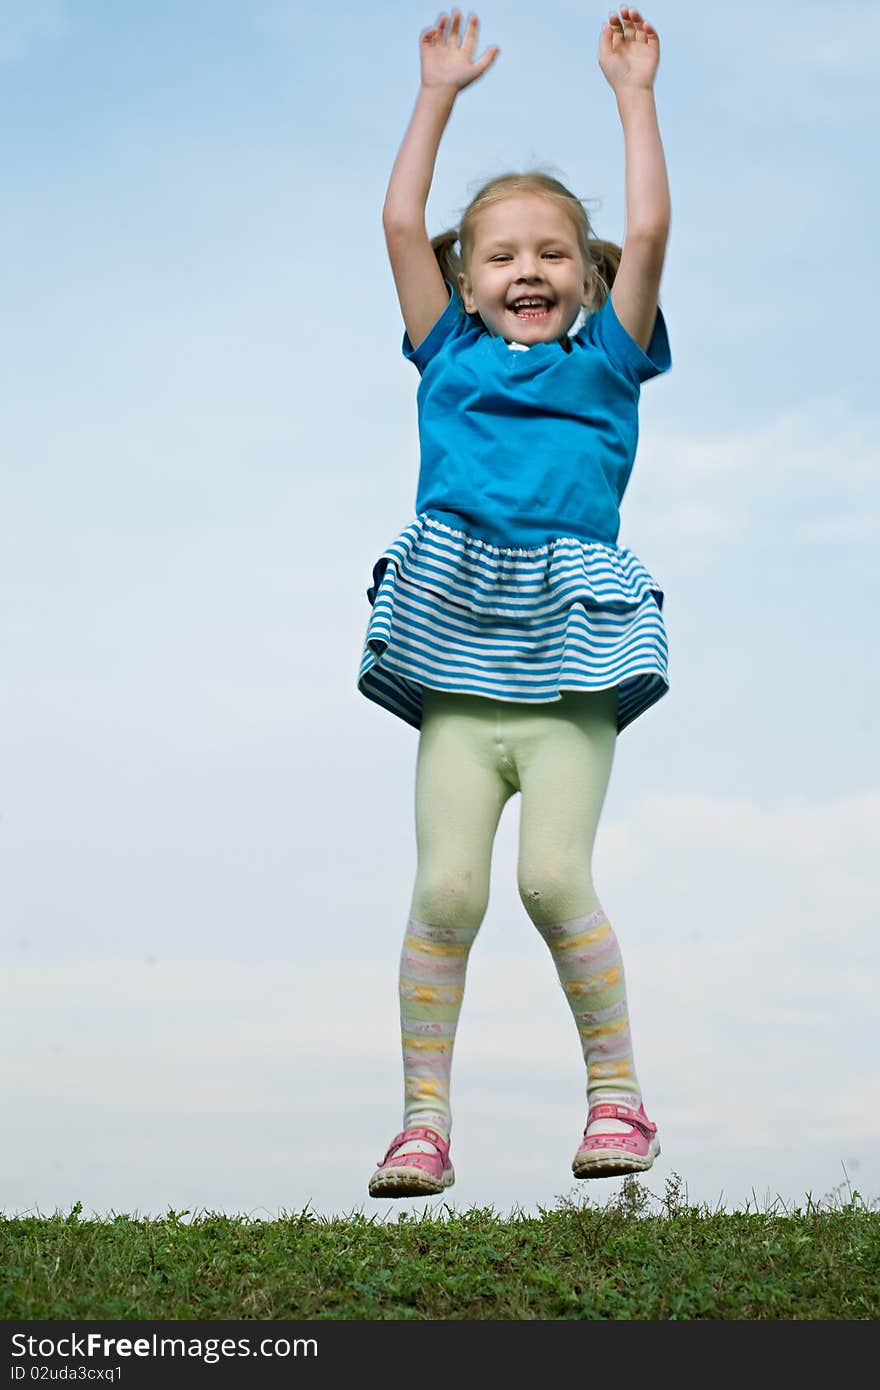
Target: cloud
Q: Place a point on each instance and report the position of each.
(692, 519)
(775, 473)
(747, 930)
(847, 528)
(793, 441)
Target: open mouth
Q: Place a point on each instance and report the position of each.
(535, 307)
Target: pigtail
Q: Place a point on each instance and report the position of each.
(606, 258)
(444, 245)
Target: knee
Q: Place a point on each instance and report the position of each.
(557, 891)
(450, 898)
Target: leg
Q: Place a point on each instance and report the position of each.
(460, 794)
(564, 756)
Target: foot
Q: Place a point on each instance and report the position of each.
(609, 1155)
(421, 1172)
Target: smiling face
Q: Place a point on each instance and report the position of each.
(525, 247)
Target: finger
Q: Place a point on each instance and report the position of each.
(629, 23)
(487, 60)
(644, 30)
(645, 33)
(639, 25)
(470, 35)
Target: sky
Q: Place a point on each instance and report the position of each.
(208, 438)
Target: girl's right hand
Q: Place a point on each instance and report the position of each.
(445, 63)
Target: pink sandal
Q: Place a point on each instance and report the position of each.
(610, 1155)
(413, 1174)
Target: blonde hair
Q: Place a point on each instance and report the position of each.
(602, 256)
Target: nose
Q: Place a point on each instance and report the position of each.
(529, 270)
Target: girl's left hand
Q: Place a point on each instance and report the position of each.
(629, 50)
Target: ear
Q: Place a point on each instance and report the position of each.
(590, 286)
(466, 293)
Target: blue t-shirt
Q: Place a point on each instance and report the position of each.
(520, 447)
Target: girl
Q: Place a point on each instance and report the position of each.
(507, 624)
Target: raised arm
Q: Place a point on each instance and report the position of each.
(629, 53)
(447, 67)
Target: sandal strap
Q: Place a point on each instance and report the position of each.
(419, 1132)
(608, 1111)
(424, 1162)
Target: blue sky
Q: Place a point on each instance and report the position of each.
(209, 436)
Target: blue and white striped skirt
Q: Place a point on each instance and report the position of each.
(457, 614)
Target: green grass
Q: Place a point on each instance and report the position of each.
(638, 1256)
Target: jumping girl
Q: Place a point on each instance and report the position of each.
(507, 624)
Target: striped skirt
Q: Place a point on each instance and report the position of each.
(457, 614)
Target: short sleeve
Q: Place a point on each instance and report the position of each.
(448, 324)
(622, 351)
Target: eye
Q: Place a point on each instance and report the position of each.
(502, 256)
